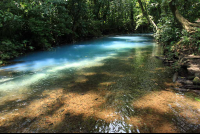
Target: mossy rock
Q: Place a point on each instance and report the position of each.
(196, 81)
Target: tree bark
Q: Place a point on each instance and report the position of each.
(132, 13)
(147, 16)
(188, 26)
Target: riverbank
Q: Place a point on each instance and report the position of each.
(190, 81)
(188, 74)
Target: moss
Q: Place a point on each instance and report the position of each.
(196, 81)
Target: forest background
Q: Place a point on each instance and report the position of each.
(31, 25)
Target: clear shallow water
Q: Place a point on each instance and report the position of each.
(39, 65)
(110, 84)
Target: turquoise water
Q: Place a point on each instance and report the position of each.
(39, 65)
(109, 84)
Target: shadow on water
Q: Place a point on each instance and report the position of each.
(129, 92)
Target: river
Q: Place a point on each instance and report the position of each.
(111, 84)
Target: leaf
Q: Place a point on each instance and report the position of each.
(197, 99)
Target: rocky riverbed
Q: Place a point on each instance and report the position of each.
(188, 78)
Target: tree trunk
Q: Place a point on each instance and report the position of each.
(147, 16)
(106, 12)
(188, 26)
(132, 13)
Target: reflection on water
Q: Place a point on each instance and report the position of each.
(111, 84)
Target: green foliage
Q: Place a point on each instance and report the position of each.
(189, 9)
(175, 39)
(31, 25)
(191, 41)
(140, 20)
(168, 34)
(9, 49)
(197, 99)
(196, 40)
(28, 25)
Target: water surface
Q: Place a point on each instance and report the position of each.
(110, 84)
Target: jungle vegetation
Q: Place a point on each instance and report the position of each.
(31, 25)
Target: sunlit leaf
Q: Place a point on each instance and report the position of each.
(197, 99)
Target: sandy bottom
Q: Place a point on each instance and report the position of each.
(82, 104)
